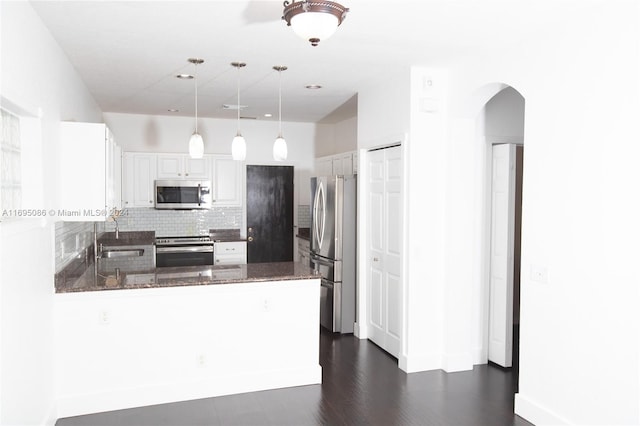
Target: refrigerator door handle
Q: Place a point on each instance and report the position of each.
(320, 261)
(319, 221)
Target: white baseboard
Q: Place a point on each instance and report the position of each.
(421, 362)
(51, 416)
(360, 330)
(118, 399)
(479, 356)
(457, 362)
(536, 413)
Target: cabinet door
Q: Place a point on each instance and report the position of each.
(354, 162)
(324, 166)
(117, 178)
(230, 253)
(83, 171)
(139, 176)
(337, 168)
(347, 164)
(227, 181)
(197, 168)
(170, 166)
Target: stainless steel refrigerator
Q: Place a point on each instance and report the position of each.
(333, 249)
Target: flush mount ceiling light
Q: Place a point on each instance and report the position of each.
(314, 20)
(196, 144)
(280, 145)
(238, 145)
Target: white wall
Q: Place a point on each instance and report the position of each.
(336, 138)
(578, 363)
(579, 350)
(383, 111)
(36, 76)
(504, 117)
(160, 133)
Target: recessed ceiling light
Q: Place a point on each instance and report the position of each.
(173, 110)
(268, 115)
(313, 86)
(184, 76)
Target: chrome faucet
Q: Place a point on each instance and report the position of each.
(117, 230)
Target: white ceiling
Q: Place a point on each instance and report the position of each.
(128, 52)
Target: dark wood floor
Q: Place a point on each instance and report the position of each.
(361, 385)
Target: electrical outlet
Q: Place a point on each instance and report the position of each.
(539, 274)
(104, 317)
(201, 361)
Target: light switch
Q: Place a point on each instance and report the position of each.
(539, 274)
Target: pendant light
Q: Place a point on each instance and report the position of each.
(196, 144)
(314, 20)
(238, 145)
(280, 145)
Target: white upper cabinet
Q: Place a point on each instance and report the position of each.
(227, 180)
(142, 169)
(89, 162)
(339, 164)
(336, 166)
(181, 166)
(324, 166)
(138, 176)
(117, 178)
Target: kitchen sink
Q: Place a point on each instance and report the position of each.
(109, 254)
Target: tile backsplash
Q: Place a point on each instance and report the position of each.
(169, 223)
(73, 237)
(304, 216)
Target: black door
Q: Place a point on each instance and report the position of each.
(269, 214)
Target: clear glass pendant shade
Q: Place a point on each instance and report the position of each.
(239, 148)
(196, 146)
(280, 149)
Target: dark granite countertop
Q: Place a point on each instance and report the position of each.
(187, 276)
(134, 238)
(304, 233)
(225, 235)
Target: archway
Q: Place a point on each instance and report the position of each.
(500, 130)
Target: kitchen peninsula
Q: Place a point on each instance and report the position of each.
(180, 333)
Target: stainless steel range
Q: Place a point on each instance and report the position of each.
(184, 251)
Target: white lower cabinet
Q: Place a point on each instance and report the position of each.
(230, 252)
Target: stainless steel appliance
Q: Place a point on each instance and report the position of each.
(333, 249)
(184, 251)
(182, 194)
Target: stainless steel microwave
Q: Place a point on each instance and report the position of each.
(182, 194)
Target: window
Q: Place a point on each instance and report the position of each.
(10, 162)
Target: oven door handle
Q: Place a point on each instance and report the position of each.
(185, 249)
